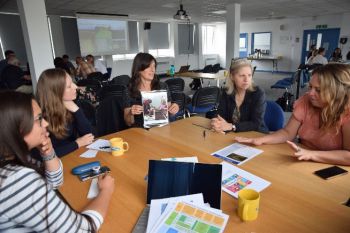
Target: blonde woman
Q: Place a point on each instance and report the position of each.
(69, 129)
(321, 119)
(242, 105)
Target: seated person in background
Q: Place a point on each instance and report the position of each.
(319, 58)
(59, 63)
(83, 69)
(336, 56)
(242, 105)
(69, 64)
(69, 129)
(28, 201)
(3, 63)
(143, 78)
(13, 76)
(313, 55)
(311, 51)
(97, 64)
(321, 119)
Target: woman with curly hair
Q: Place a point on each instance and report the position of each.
(69, 129)
(321, 119)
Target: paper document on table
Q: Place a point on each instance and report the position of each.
(234, 179)
(159, 206)
(189, 217)
(101, 145)
(193, 159)
(237, 153)
(93, 190)
(89, 154)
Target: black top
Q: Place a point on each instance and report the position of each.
(252, 110)
(138, 101)
(77, 128)
(12, 76)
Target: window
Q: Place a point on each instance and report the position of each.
(208, 33)
(262, 41)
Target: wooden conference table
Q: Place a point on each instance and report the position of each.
(217, 76)
(296, 200)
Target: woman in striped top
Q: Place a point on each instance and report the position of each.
(28, 201)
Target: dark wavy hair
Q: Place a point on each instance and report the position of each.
(16, 122)
(141, 62)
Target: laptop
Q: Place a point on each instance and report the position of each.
(184, 69)
(171, 179)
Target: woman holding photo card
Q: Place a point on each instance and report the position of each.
(242, 105)
(143, 78)
(321, 119)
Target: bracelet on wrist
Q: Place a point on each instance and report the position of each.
(49, 157)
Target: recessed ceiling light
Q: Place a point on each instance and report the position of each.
(219, 12)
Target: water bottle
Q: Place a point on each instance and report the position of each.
(172, 70)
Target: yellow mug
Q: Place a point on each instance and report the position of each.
(248, 204)
(118, 146)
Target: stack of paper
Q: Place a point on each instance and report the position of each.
(185, 214)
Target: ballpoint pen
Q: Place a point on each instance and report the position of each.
(204, 134)
(104, 147)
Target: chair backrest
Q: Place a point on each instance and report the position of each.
(95, 75)
(274, 116)
(208, 69)
(112, 90)
(175, 84)
(216, 68)
(180, 99)
(206, 96)
(109, 71)
(92, 83)
(110, 116)
(121, 80)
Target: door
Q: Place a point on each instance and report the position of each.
(243, 45)
(326, 38)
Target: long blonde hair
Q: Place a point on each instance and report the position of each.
(49, 93)
(236, 65)
(334, 92)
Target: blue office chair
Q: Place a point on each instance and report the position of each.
(204, 100)
(274, 116)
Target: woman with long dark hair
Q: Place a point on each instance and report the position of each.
(28, 202)
(143, 78)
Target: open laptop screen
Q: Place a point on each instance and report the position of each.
(171, 179)
(184, 69)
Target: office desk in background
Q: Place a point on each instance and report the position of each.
(274, 61)
(296, 200)
(218, 76)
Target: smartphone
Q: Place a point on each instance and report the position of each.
(330, 172)
(92, 174)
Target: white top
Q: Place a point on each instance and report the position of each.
(100, 67)
(318, 59)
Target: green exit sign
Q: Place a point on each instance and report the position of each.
(322, 26)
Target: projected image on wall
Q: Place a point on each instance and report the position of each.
(102, 36)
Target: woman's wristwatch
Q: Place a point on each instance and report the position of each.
(49, 157)
(233, 128)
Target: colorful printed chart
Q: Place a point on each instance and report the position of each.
(186, 217)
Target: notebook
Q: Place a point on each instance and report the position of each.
(184, 69)
(171, 179)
